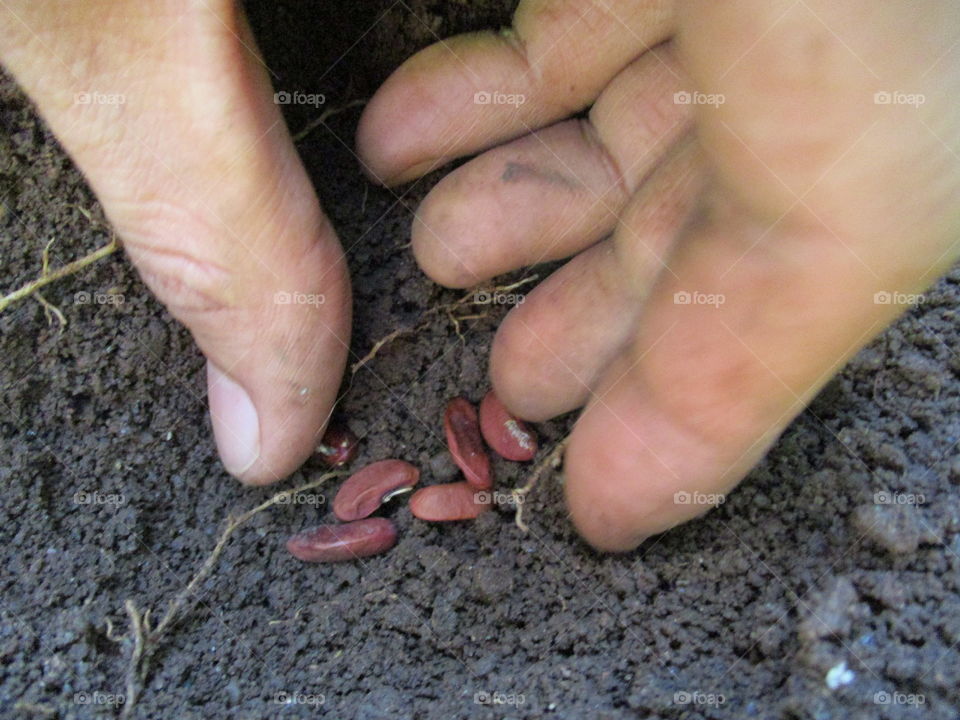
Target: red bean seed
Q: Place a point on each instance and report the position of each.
(338, 447)
(462, 428)
(367, 489)
(449, 501)
(507, 434)
(337, 543)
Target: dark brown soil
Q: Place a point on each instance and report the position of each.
(112, 490)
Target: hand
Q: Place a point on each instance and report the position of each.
(167, 109)
(758, 189)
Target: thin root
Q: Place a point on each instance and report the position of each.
(324, 116)
(519, 495)
(51, 311)
(146, 639)
(47, 276)
(22, 706)
(111, 632)
(136, 670)
(445, 309)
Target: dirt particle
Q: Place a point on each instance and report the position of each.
(491, 584)
(829, 612)
(895, 528)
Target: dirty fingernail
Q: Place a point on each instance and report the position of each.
(236, 426)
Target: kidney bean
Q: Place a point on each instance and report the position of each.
(449, 501)
(367, 489)
(337, 543)
(338, 447)
(507, 434)
(462, 428)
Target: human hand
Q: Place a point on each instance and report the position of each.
(167, 109)
(760, 187)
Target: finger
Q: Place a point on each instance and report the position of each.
(551, 350)
(470, 92)
(792, 263)
(198, 176)
(275, 325)
(554, 192)
(733, 344)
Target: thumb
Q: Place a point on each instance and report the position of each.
(256, 273)
(274, 360)
(177, 129)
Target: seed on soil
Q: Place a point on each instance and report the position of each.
(462, 428)
(506, 434)
(339, 543)
(450, 501)
(338, 446)
(367, 489)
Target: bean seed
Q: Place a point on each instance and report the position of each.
(367, 489)
(507, 434)
(449, 501)
(462, 428)
(338, 447)
(338, 543)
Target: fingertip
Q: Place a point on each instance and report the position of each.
(250, 453)
(527, 395)
(263, 472)
(399, 127)
(379, 152)
(235, 420)
(632, 471)
(445, 235)
(274, 370)
(602, 500)
(262, 442)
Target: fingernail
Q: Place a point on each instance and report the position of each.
(236, 426)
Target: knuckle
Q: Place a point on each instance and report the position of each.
(187, 274)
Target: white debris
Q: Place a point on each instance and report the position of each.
(839, 675)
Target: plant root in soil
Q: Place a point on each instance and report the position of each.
(146, 639)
